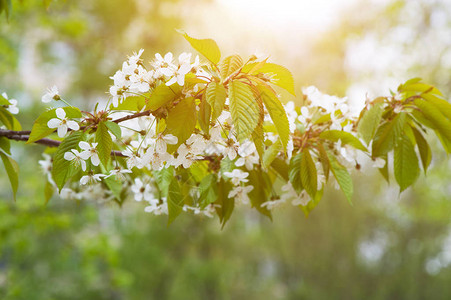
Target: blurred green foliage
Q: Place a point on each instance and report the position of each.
(383, 247)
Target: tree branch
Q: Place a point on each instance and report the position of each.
(45, 142)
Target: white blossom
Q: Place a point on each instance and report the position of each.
(237, 176)
(77, 157)
(91, 178)
(90, 151)
(62, 123)
(240, 193)
(142, 191)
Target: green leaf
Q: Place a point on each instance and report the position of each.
(307, 209)
(281, 167)
(12, 169)
(40, 129)
(435, 116)
(324, 159)
(5, 144)
(204, 114)
(208, 190)
(277, 113)
(162, 95)
(3, 100)
(216, 95)
(309, 173)
(9, 120)
(225, 204)
(258, 138)
(5, 5)
(181, 121)
(345, 137)
(206, 47)
(48, 192)
(244, 109)
(114, 128)
(369, 122)
(384, 169)
(418, 87)
(62, 169)
(163, 178)
(342, 176)
(279, 75)
(405, 163)
(105, 143)
(440, 103)
(271, 153)
(132, 103)
(386, 135)
(175, 200)
(294, 173)
(261, 191)
(229, 65)
(423, 148)
(115, 186)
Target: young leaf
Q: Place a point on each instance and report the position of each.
(216, 95)
(3, 100)
(162, 95)
(312, 203)
(277, 113)
(105, 143)
(5, 144)
(323, 159)
(345, 137)
(225, 204)
(40, 128)
(206, 47)
(48, 191)
(294, 173)
(208, 190)
(244, 109)
(440, 103)
(175, 200)
(62, 169)
(405, 163)
(309, 173)
(204, 114)
(181, 121)
(386, 135)
(259, 139)
(115, 186)
(132, 103)
(342, 176)
(280, 76)
(281, 167)
(369, 122)
(9, 120)
(262, 188)
(114, 128)
(435, 116)
(271, 153)
(423, 148)
(12, 169)
(229, 65)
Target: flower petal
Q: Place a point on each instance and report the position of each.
(62, 130)
(60, 113)
(53, 123)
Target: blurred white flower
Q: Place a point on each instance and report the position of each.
(52, 94)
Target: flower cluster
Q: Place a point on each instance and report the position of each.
(149, 152)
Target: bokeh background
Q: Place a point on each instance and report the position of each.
(385, 246)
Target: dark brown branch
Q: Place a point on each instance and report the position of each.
(4, 132)
(130, 117)
(48, 142)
